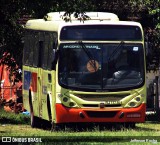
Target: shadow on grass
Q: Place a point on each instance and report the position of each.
(85, 127)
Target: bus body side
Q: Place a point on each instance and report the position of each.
(39, 73)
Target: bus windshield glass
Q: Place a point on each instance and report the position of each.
(95, 66)
(101, 33)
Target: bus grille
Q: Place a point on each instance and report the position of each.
(106, 98)
(101, 114)
(97, 105)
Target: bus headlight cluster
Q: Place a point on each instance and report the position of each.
(67, 101)
(134, 102)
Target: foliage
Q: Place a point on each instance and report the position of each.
(11, 11)
(11, 118)
(149, 13)
(153, 7)
(11, 33)
(11, 30)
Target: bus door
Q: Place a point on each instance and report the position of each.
(47, 77)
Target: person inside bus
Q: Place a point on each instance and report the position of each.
(127, 70)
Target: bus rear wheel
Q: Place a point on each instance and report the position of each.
(34, 121)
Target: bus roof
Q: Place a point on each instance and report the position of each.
(57, 16)
(54, 21)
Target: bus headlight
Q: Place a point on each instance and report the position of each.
(65, 99)
(138, 99)
(132, 104)
(71, 104)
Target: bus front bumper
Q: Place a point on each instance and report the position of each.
(67, 115)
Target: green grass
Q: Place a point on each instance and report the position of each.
(12, 118)
(17, 125)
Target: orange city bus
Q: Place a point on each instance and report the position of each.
(84, 71)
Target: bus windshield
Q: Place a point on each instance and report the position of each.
(101, 66)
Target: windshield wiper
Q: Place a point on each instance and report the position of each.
(116, 50)
(89, 55)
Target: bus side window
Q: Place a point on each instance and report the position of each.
(40, 52)
(51, 51)
(46, 50)
(40, 49)
(26, 50)
(36, 50)
(45, 54)
(31, 46)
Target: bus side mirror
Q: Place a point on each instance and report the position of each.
(55, 58)
(54, 53)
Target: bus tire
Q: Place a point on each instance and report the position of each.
(34, 121)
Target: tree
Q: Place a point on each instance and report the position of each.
(11, 11)
(11, 32)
